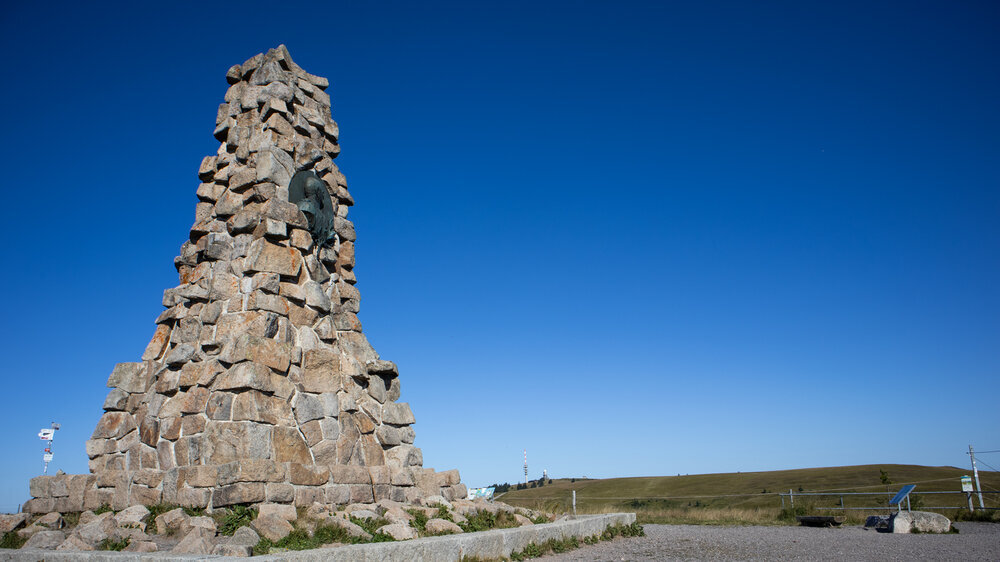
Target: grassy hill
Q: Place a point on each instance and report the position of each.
(754, 496)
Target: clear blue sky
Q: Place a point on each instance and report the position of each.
(633, 238)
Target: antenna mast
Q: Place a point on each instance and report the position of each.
(525, 466)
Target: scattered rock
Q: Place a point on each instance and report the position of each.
(235, 550)
(398, 531)
(920, 521)
(30, 530)
(98, 529)
(47, 540)
(442, 527)
(434, 500)
(244, 536)
(142, 546)
(522, 520)
(73, 542)
(132, 516)
(197, 541)
(51, 521)
(397, 515)
(203, 522)
(11, 522)
(351, 528)
(171, 521)
(272, 527)
(364, 514)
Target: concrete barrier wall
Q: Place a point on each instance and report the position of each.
(497, 543)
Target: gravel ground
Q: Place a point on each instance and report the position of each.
(975, 541)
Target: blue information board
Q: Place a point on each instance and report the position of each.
(902, 494)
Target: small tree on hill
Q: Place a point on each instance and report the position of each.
(884, 477)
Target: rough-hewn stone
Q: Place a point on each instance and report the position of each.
(258, 383)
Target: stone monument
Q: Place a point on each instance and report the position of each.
(258, 384)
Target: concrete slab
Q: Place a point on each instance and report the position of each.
(497, 543)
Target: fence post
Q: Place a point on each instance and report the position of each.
(842, 503)
(791, 497)
(574, 503)
(782, 496)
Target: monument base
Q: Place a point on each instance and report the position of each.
(247, 482)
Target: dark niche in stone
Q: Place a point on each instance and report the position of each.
(310, 194)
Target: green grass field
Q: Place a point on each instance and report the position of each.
(753, 497)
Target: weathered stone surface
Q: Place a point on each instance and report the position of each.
(97, 529)
(112, 426)
(12, 522)
(397, 413)
(245, 536)
(204, 523)
(46, 540)
(73, 542)
(442, 527)
(264, 351)
(259, 407)
(276, 492)
(284, 511)
(132, 516)
(172, 520)
(289, 446)
(233, 550)
(128, 377)
(258, 383)
(919, 521)
(351, 528)
(197, 541)
(52, 521)
(231, 441)
(272, 527)
(244, 376)
(241, 492)
(308, 475)
(398, 531)
(141, 546)
(251, 470)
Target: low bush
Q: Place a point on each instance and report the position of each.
(111, 544)
(12, 540)
(235, 517)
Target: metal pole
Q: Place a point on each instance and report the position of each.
(782, 500)
(574, 503)
(968, 496)
(791, 497)
(841, 503)
(975, 473)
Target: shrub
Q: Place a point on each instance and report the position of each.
(111, 544)
(370, 525)
(12, 540)
(484, 521)
(790, 513)
(419, 521)
(443, 513)
(235, 517)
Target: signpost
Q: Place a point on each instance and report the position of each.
(48, 435)
(967, 488)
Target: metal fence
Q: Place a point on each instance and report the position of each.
(967, 496)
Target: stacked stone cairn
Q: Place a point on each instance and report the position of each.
(258, 385)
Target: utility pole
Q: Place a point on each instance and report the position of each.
(975, 474)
